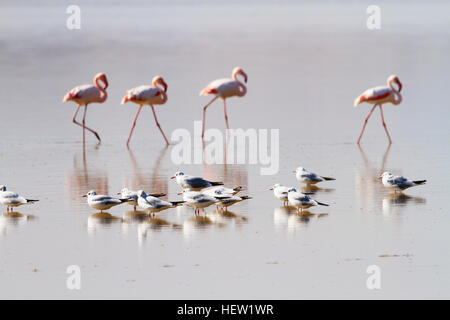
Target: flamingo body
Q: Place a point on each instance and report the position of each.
(147, 95)
(378, 96)
(85, 94)
(224, 88)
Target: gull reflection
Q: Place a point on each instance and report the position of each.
(221, 216)
(154, 224)
(395, 202)
(200, 223)
(13, 219)
(287, 217)
(101, 220)
(312, 189)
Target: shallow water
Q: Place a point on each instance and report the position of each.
(306, 64)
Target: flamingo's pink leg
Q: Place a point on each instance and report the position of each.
(225, 112)
(74, 120)
(204, 113)
(365, 122)
(159, 127)
(384, 125)
(134, 124)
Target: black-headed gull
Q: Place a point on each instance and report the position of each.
(225, 203)
(307, 177)
(102, 202)
(12, 199)
(199, 200)
(132, 196)
(399, 183)
(302, 201)
(221, 190)
(193, 183)
(281, 192)
(153, 204)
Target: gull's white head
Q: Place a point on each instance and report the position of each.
(300, 169)
(141, 193)
(276, 185)
(2, 188)
(90, 193)
(385, 175)
(177, 174)
(123, 191)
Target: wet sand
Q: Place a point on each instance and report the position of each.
(304, 73)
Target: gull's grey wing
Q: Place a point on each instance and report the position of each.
(197, 182)
(400, 182)
(311, 177)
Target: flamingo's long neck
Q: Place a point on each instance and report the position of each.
(103, 95)
(398, 96)
(161, 92)
(242, 87)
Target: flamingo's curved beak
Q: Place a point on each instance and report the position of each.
(245, 76)
(165, 86)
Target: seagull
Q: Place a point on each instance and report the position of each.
(307, 177)
(281, 192)
(302, 201)
(102, 202)
(199, 200)
(225, 203)
(193, 183)
(153, 204)
(132, 196)
(220, 190)
(398, 183)
(12, 199)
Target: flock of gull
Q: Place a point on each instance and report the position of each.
(200, 193)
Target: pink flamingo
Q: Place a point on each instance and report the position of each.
(379, 95)
(224, 88)
(85, 94)
(150, 95)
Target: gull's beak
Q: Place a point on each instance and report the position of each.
(295, 171)
(84, 195)
(180, 193)
(380, 177)
(284, 192)
(271, 189)
(172, 177)
(118, 192)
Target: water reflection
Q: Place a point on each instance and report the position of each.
(312, 189)
(369, 189)
(84, 177)
(13, 219)
(149, 225)
(200, 223)
(395, 202)
(157, 183)
(101, 220)
(287, 217)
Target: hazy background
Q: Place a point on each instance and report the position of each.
(306, 64)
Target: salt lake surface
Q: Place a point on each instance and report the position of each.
(306, 63)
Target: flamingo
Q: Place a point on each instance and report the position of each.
(85, 94)
(379, 95)
(150, 95)
(224, 88)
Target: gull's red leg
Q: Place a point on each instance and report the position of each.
(134, 124)
(384, 125)
(365, 122)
